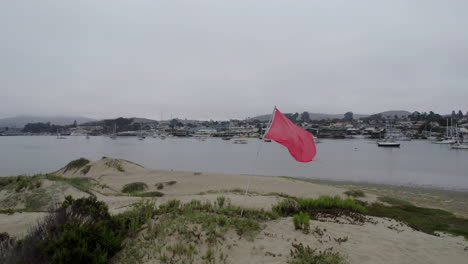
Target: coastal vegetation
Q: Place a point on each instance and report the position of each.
(324, 204)
(79, 231)
(160, 185)
(301, 221)
(427, 220)
(76, 164)
(134, 187)
(83, 231)
(355, 193)
(305, 255)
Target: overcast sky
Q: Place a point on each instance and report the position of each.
(231, 59)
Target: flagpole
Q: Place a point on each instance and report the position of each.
(256, 158)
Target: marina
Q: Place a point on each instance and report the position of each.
(414, 163)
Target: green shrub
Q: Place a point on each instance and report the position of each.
(171, 182)
(286, 207)
(80, 231)
(301, 221)
(306, 255)
(355, 193)
(159, 186)
(134, 187)
(76, 164)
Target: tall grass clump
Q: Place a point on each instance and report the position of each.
(134, 187)
(324, 204)
(301, 221)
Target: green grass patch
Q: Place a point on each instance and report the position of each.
(134, 187)
(393, 201)
(423, 219)
(355, 193)
(76, 164)
(307, 255)
(147, 194)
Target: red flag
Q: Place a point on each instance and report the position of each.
(299, 141)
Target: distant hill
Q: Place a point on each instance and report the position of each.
(134, 120)
(320, 116)
(392, 113)
(314, 116)
(21, 121)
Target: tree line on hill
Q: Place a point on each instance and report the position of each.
(46, 127)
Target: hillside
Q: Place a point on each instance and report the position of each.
(320, 116)
(21, 121)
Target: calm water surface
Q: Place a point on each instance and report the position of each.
(417, 163)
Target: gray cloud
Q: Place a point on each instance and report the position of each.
(231, 59)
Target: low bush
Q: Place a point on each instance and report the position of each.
(307, 255)
(134, 187)
(80, 231)
(301, 221)
(355, 193)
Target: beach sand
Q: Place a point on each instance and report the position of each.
(375, 241)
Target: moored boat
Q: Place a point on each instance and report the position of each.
(388, 144)
(460, 146)
(240, 141)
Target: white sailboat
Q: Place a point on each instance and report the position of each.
(141, 137)
(449, 139)
(114, 134)
(389, 140)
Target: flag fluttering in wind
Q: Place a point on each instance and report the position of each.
(299, 141)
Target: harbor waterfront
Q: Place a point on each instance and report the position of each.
(416, 163)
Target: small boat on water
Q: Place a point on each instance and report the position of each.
(388, 143)
(240, 141)
(267, 140)
(226, 138)
(87, 136)
(446, 141)
(162, 137)
(460, 146)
